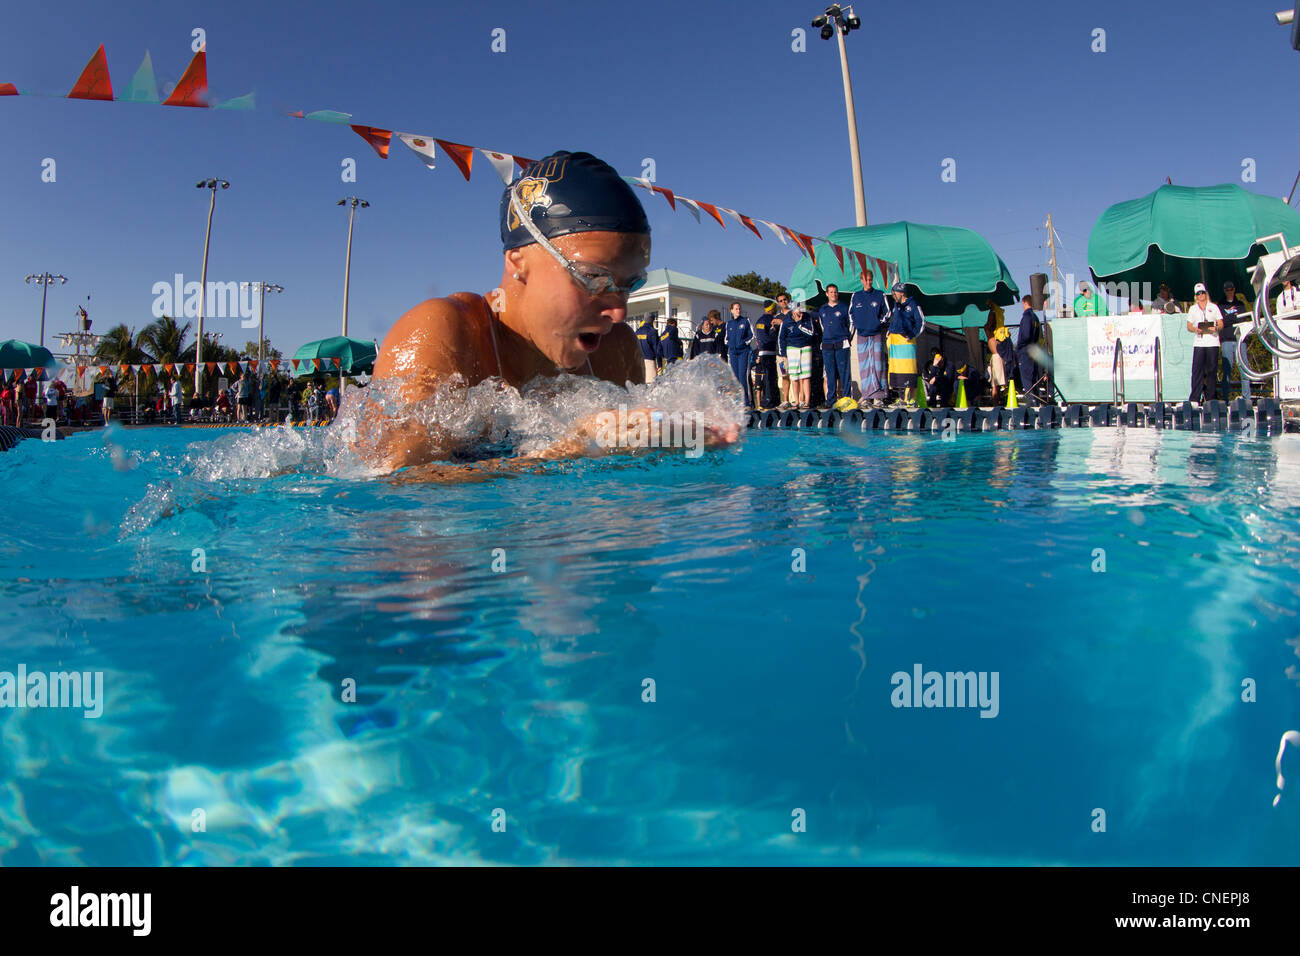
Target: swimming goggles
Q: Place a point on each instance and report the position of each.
(594, 279)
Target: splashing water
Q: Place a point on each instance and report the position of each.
(1290, 737)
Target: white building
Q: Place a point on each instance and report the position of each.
(668, 294)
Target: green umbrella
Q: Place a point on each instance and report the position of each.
(950, 269)
(1187, 234)
(16, 354)
(355, 356)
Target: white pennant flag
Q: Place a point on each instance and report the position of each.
(422, 146)
(691, 206)
(503, 163)
(776, 231)
(733, 214)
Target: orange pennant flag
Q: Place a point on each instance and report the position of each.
(126, 369)
(232, 368)
(462, 156)
(297, 114)
(212, 367)
(315, 363)
(839, 255)
(667, 194)
(252, 365)
(712, 210)
(794, 236)
(81, 370)
(169, 368)
(335, 360)
(377, 138)
(523, 162)
(8, 89)
(749, 224)
(103, 370)
(808, 244)
(294, 363)
(93, 84)
(148, 368)
(862, 262)
(275, 365)
(193, 85)
(189, 366)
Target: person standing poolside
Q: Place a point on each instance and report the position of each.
(836, 333)
(648, 338)
(709, 338)
(332, 401)
(670, 343)
(939, 379)
(869, 313)
(110, 393)
(1205, 320)
(1029, 333)
(782, 369)
(178, 397)
(797, 340)
(1234, 308)
(906, 324)
(766, 330)
(8, 410)
(740, 332)
(1086, 304)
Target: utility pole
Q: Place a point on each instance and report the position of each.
(1056, 274)
(837, 21)
(211, 184)
(354, 202)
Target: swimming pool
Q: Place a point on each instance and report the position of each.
(500, 635)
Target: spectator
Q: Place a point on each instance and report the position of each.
(109, 393)
(51, 400)
(869, 312)
(671, 343)
(1234, 308)
(31, 399)
(1086, 304)
(1029, 333)
(779, 319)
(709, 337)
(798, 335)
(243, 397)
(332, 401)
(939, 380)
(222, 407)
(273, 394)
(313, 404)
(740, 332)
(766, 332)
(905, 326)
(178, 398)
(836, 334)
(648, 338)
(1164, 301)
(1288, 300)
(1002, 357)
(8, 407)
(1205, 320)
(295, 406)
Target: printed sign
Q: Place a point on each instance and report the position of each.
(1138, 334)
(1288, 379)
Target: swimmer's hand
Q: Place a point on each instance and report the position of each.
(600, 434)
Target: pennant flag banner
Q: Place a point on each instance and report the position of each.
(462, 156)
(8, 89)
(749, 224)
(294, 363)
(93, 84)
(502, 163)
(422, 146)
(328, 116)
(377, 138)
(667, 194)
(776, 230)
(839, 254)
(193, 86)
(712, 210)
(691, 206)
(144, 85)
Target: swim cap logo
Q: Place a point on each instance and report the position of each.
(531, 191)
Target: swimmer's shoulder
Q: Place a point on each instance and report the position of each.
(444, 334)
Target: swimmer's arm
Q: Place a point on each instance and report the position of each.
(426, 347)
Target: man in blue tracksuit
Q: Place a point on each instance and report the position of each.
(739, 334)
(1029, 334)
(709, 337)
(836, 332)
(765, 350)
(796, 342)
(869, 313)
(648, 339)
(671, 343)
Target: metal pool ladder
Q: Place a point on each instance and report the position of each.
(1117, 373)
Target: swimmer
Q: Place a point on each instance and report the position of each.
(576, 243)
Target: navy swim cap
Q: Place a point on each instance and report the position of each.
(566, 193)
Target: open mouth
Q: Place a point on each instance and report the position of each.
(590, 341)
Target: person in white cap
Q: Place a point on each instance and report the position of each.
(1205, 320)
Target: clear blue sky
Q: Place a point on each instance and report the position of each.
(712, 92)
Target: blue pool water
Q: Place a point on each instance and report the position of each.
(521, 690)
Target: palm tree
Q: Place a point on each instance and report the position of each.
(165, 339)
(118, 347)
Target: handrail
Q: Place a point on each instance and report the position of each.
(1117, 373)
(1160, 373)
(1286, 347)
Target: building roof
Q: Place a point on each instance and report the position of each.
(659, 279)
